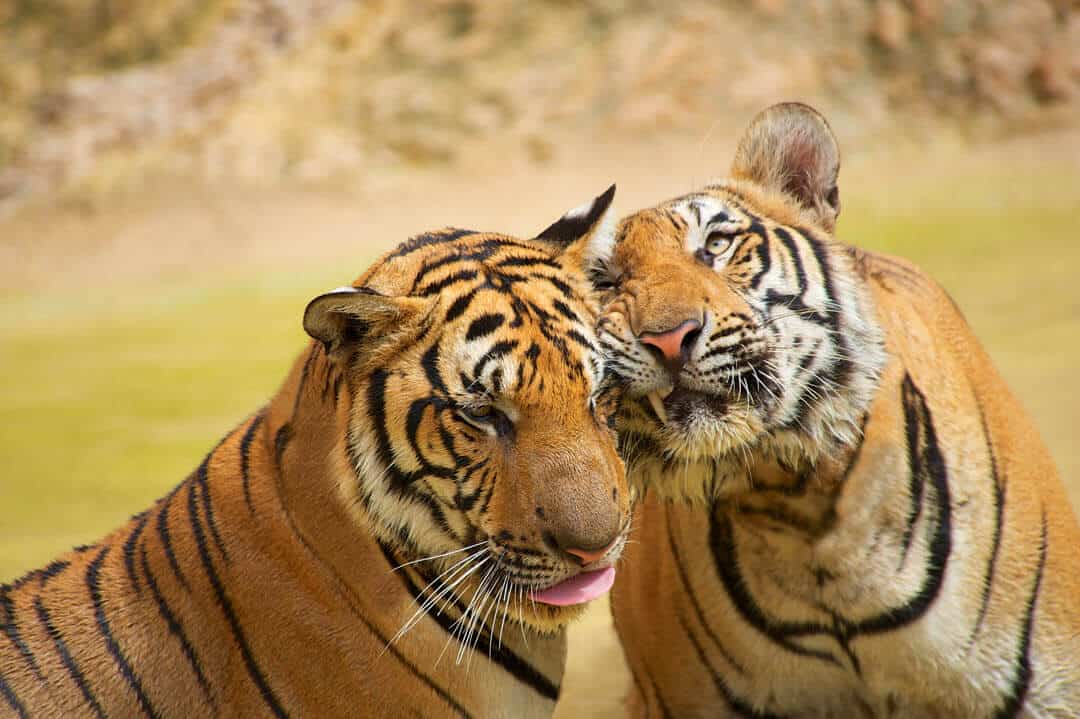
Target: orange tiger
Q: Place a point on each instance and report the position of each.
(867, 523)
(438, 465)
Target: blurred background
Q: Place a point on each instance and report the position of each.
(178, 178)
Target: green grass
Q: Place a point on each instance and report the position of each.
(111, 397)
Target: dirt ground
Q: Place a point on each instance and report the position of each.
(996, 224)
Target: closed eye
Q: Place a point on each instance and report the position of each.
(487, 418)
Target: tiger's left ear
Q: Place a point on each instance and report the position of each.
(790, 147)
(585, 234)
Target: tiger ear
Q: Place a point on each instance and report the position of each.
(790, 147)
(351, 318)
(586, 233)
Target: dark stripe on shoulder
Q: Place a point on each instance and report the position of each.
(1014, 702)
(201, 478)
(999, 512)
(166, 538)
(250, 664)
(65, 657)
(129, 549)
(11, 629)
(245, 458)
(925, 458)
(94, 587)
(11, 698)
(176, 629)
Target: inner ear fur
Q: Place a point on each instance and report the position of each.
(351, 319)
(586, 234)
(791, 148)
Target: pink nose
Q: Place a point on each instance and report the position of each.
(587, 557)
(673, 346)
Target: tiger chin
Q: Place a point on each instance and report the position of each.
(846, 512)
(404, 530)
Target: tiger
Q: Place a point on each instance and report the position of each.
(439, 463)
(846, 512)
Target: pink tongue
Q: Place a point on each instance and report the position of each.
(582, 588)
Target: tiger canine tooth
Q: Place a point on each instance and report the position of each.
(666, 391)
(658, 406)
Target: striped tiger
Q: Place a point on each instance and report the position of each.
(867, 523)
(404, 530)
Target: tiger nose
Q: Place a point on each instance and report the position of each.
(673, 347)
(586, 556)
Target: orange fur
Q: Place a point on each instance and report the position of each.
(263, 584)
(893, 541)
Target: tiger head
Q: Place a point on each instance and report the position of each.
(737, 322)
(479, 427)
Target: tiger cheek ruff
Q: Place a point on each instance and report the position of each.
(847, 510)
(404, 530)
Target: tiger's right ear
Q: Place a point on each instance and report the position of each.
(585, 234)
(350, 318)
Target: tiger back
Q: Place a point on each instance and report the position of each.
(404, 530)
(848, 513)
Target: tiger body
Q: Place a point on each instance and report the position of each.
(410, 458)
(848, 514)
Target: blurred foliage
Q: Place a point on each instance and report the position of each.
(318, 89)
(46, 43)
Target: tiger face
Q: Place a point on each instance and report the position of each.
(480, 429)
(734, 319)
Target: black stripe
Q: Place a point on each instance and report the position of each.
(245, 458)
(484, 325)
(11, 629)
(999, 512)
(725, 559)
(515, 665)
(498, 350)
(384, 641)
(65, 657)
(166, 540)
(689, 590)
(227, 609)
(12, 699)
(434, 288)
(737, 705)
(925, 458)
(92, 584)
(129, 549)
(201, 479)
(1014, 702)
(176, 629)
(428, 238)
(460, 305)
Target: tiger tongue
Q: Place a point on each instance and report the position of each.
(581, 588)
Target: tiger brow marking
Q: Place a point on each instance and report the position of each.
(65, 656)
(224, 602)
(175, 628)
(94, 587)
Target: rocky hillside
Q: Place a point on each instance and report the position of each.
(103, 93)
